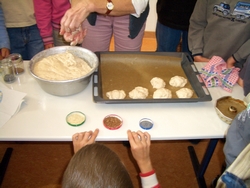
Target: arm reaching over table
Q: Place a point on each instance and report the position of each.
(140, 147)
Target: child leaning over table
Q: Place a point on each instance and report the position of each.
(238, 137)
(95, 165)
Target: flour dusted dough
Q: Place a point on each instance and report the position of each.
(178, 81)
(116, 94)
(184, 93)
(162, 93)
(138, 93)
(157, 83)
(63, 66)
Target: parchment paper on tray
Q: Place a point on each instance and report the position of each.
(127, 70)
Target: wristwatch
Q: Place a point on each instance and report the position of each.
(110, 7)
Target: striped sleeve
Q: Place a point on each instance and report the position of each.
(149, 180)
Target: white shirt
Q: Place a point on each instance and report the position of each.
(140, 6)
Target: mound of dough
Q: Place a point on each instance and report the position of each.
(116, 94)
(184, 93)
(63, 66)
(178, 81)
(138, 93)
(162, 93)
(157, 83)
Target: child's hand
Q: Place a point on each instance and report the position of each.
(140, 148)
(84, 138)
(47, 46)
(5, 52)
(230, 62)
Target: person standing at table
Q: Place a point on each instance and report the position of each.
(48, 16)
(21, 25)
(127, 30)
(220, 29)
(88, 168)
(4, 41)
(71, 22)
(172, 24)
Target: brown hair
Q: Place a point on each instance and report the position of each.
(96, 166)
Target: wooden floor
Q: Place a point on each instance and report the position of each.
(41, 164)
(149, 42)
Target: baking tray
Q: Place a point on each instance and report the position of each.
(127, 70)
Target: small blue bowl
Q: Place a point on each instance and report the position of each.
(146, 123)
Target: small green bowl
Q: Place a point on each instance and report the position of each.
(75, 118)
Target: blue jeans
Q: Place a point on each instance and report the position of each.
(25, 41)
(168, 39)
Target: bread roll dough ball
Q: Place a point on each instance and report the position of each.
(157, 83)
(138, 93)
(178, 81)
(116, 94)
(162, 93)
(184, 93)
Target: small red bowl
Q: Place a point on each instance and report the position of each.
(112, 122)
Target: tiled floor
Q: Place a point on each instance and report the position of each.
(41, 164)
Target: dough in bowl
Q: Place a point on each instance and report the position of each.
(138, 93)
(162, 93)
(116, 94)
(178, 81)
(157, 83)
(184, 93)
(63, 66)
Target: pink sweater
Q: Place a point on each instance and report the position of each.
(48, 15)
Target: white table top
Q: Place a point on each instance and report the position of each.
(42, 116)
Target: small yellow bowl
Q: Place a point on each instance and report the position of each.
(76, 118)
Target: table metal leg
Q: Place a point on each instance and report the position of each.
(200, 168)
(4, 163)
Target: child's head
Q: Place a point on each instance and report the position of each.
(96, 165)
